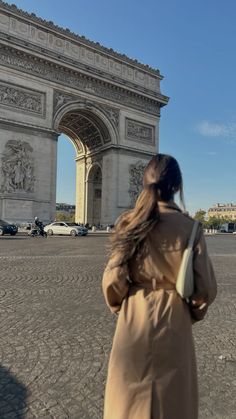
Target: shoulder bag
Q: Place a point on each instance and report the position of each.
(185, 279)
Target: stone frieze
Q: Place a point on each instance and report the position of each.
(22, 99)
(63, 76)
(137, 131)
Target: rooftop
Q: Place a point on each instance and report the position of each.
(218, 205)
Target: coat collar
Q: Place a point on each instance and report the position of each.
(167, 206)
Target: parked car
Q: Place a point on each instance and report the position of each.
(7, 228)
(61, 227)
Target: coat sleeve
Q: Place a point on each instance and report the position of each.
(204, 278)
(115, 284)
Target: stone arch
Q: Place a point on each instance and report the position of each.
(92, 168)
(92, 111)
(91, 132)
(52, 79)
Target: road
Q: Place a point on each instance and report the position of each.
(56, 331)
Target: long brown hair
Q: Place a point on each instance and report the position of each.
(161, 180)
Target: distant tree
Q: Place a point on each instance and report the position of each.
(61, 216)
(216, 222)
(200, 216)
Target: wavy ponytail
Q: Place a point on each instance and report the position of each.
(134, 225)
(162, 179)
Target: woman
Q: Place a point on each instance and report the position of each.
(152, 369)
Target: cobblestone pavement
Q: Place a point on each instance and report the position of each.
(56, 331)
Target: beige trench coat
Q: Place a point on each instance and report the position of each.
(152, 368)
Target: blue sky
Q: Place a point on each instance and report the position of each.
(193, 45)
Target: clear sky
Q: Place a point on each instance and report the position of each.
(193, 45)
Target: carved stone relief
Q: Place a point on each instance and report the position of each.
(27, 63)
(24, 99)
(19, 27)
(113, 114)
(60, 99)
(135, 181)
(137, 131)
(17, 167)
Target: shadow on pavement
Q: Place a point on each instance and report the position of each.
(13, 238)
(13, 396)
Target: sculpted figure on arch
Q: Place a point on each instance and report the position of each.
(17, 167)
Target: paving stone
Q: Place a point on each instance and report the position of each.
(56, 331)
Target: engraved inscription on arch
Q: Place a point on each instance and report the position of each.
(19, 27)
(4, 21)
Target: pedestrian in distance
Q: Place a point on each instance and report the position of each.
(152, 368)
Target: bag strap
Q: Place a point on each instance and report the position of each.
(193, 234)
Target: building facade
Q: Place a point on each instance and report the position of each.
(65, 208)
(223, 211)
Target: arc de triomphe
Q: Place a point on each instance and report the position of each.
(51, 82)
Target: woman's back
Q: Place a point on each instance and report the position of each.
(152, 369)
(164, 246)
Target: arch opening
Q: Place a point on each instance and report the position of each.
(66, 179)
(88, 133)
(85, 129)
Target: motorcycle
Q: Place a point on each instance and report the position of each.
(36, 232)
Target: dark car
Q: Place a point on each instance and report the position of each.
(6, 228)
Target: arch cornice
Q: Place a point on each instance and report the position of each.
(93, 85)
(66, 34)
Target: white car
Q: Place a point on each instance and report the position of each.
(60, 227)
